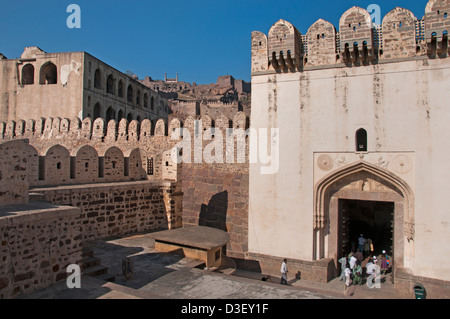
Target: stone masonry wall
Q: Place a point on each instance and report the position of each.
(118, 208)
(13, 173)
(216, 196)
(36, 246)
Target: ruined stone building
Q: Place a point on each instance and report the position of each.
(224, 83)
(73, 84)
(225, 97)
(354, 120)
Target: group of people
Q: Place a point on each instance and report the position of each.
(354, 267)
(365, 245)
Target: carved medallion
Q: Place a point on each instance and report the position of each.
(401, 164)
(325, 162)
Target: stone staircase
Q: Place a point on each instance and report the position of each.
(91, 266)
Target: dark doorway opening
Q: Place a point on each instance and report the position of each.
(372, 219)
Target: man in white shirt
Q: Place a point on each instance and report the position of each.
(352, 262)
(347, 273)
(284, 271)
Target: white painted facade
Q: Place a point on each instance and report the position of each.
(404, 107)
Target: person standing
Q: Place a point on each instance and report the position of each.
(384, 265)
(284, 271)
(359, 256)
(357, 273)
(352, 262)
(370, 245)
(343, 262)
(361, 242)
(347, 273)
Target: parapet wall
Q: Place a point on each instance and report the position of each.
(116, 209)
(38, 242)
(358, 41)
(63, 151)
(13, 173)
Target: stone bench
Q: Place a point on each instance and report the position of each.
(196, 242)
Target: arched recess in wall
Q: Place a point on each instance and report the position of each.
(55, 168)
(134, 164)
(129, 117)
(145, 100)
(110, 84)
(138, 97)
(97, 111)
(110, 114)
(85, 165)
(97, 79)
(130, 94)
(120, 115)
(113, 165)
(120, 89)
(152, 103)
(28, 74)
(48, 74)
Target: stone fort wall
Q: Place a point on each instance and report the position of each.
(37, 244)
(126, 168)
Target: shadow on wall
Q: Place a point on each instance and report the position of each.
(215, 213)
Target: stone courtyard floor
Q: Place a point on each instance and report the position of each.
(170, 276)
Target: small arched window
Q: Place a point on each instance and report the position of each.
(48, 74)
(110, 84)
(97, 111)
(120, 115)
(97, 79)
(28, 74)
(145, 100)
(110, 114)
(120, 89)
(361, 140)
(138, 98)
(130, 94)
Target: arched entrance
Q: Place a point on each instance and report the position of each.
(370, 198)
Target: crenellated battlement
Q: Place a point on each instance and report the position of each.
(357, 42)
(99, 131)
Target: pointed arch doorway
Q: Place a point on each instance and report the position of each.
(363, 197)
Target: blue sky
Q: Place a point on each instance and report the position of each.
(199, 39)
